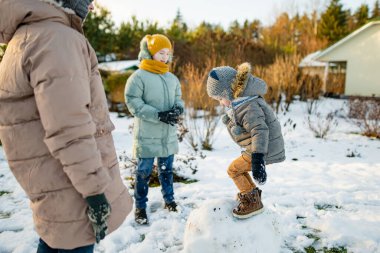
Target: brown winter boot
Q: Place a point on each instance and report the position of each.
(250, 204)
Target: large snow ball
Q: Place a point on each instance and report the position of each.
(212, 228)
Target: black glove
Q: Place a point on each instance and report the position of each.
(178, 109)
(169, 117)
(98, 212)
(258, 168)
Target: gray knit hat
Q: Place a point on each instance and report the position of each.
(80, 7)
(219, 82)
(226, 82)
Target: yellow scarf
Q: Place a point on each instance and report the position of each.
(154, 66)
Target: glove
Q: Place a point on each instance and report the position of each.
(169, 117)
(258, 168)
(98, 212)
(178, 109)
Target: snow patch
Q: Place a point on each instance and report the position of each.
(212, 228)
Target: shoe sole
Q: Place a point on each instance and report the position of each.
(245, 216)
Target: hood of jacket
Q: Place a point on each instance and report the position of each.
(14, 14)
(247, 85)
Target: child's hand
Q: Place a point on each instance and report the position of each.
(258, 168)
(169, 117)
(178, 109)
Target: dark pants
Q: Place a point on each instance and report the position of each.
(165, 175)
(44, 248)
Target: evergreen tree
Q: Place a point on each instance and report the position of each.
(376, 11)
(333, 24)
(178, 28)
(361, 16)
(99, 30)
(129, 35)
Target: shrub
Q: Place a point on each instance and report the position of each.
(322, 126)
(183, 166)
(194, 90)
(199, 128)
(365, 113)
(114, 85)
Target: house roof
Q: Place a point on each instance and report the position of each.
(309, 61)
(119, 66)
(347, 38)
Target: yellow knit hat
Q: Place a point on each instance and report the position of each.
(156, 42)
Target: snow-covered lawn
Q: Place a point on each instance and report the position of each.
(326, 194)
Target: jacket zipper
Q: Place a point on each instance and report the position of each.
(166, 96)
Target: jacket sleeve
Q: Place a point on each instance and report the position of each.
(134, 90)
(60, 77)
(254, 122)
(178, 95)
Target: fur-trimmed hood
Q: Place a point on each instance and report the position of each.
(15, 13)
(245, 84)
(227, 82)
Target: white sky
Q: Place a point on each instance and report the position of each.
(215, 11)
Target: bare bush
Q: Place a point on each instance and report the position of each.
(183, 166)
(201, 117)
(366, 114)
(200, 127)
(321, 126)
(311, 105)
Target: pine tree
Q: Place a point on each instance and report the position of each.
(129, 35)
(376, 11)
(361, 16)
(99, 30)
(178, 28)
(333, 24)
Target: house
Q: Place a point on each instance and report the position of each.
(356, 61)
(119, 66)
(312, 67)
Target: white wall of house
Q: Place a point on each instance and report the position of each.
(362, 54)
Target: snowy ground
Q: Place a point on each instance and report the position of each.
(319, 197)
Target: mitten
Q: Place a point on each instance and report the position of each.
(98, 211)
(258, 168)
(225, 119)
(169, 117)
(178, 109)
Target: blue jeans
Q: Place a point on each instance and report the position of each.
(165, 175)
(44, 248)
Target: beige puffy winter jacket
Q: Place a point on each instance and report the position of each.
(54, 122)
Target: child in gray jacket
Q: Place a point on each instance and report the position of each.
(253, 126)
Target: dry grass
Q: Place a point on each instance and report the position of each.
(310, 90)
(194, 91)
(335, 83)
(201, 116)
(282, 77)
